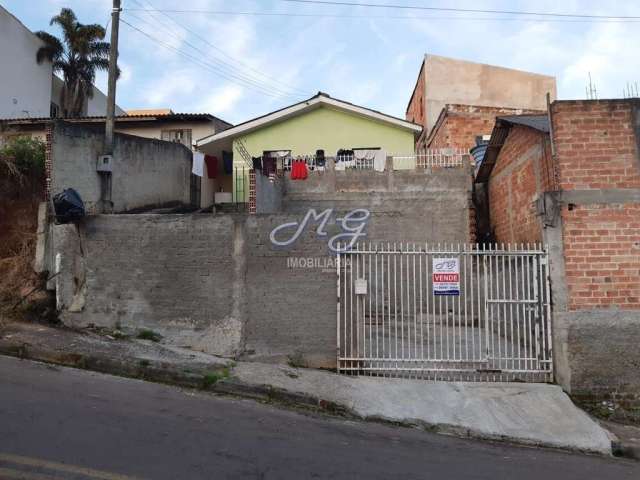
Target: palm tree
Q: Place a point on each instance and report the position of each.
(77, 57)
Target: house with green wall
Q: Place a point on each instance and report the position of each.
(318, 123)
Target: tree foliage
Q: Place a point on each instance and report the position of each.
(23, 158)
(77, 56)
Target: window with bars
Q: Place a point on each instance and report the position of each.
(177, 136)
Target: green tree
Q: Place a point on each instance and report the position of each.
(78, 56)
(23, 157)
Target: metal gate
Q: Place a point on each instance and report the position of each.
(452, 312)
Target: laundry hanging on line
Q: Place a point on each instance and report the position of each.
(227, 162)
(198, 164)
(299, 170)
(212, 166)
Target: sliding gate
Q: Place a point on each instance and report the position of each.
(462, 313)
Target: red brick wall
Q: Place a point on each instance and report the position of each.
(596, 149)
(415, 110)
(602, 256)
(595, 144)
(518, 178)
(463, 123)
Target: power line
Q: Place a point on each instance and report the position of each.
(391, 17)
(245, 81)
(459, 10)
(206, 65)
(274, 81)
(228, 69)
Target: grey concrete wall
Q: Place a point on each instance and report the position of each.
(173, 274)
(598, 351)
(268, 194)
(218, 284)
(146, 172)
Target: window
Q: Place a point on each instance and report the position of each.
(54, 110)
(177, 136)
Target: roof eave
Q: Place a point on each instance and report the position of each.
(300, 107)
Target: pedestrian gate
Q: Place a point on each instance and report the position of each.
(463, 313)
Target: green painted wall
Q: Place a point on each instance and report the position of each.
(327, 129)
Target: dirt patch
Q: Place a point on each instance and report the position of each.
(22, 291)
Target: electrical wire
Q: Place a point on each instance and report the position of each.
(277, 83)
(226, 67)
(459, 10)
(207, 65)
(389, 17)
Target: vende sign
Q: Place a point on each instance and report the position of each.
(446, 276)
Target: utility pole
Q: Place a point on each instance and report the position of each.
(105, 163)
(113, 70)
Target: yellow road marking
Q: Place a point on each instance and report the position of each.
(59, 467)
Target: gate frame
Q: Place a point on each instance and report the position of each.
(542, 317)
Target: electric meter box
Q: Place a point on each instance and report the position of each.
(105, 163)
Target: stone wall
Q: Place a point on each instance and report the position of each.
(146, 172)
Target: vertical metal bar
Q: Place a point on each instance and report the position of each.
(369, 316)
(395, 303)
(384, 302)
(459, 310)
(430, 299)
(528, 349)
(502, 308)
(547, 319)
(536, 295)
(376, 303)
(352, 255)
(486, 298)
(475, 296)
(440, 317)
(358, 257)
(415, 314)
(519, 279)
(465, 256)
(344, 307)
(338, 309)
(421, 314)
(402, 322)
(446, 318)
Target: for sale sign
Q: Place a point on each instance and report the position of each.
(446, 276)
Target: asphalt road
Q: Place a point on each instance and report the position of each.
(58, 423)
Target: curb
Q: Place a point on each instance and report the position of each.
(216, 379)
(219, 379)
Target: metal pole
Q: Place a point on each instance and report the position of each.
(113, 70)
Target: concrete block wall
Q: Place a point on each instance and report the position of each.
(146, 172)
(218, 284)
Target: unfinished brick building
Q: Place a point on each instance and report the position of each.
(572, 180)
(455, 100)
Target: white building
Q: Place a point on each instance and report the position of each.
(29, 89)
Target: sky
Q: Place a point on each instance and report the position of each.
(239, 66)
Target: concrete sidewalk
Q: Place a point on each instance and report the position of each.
(532, 414)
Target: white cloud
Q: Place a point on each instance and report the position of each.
(222, 101)
(169, 88)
